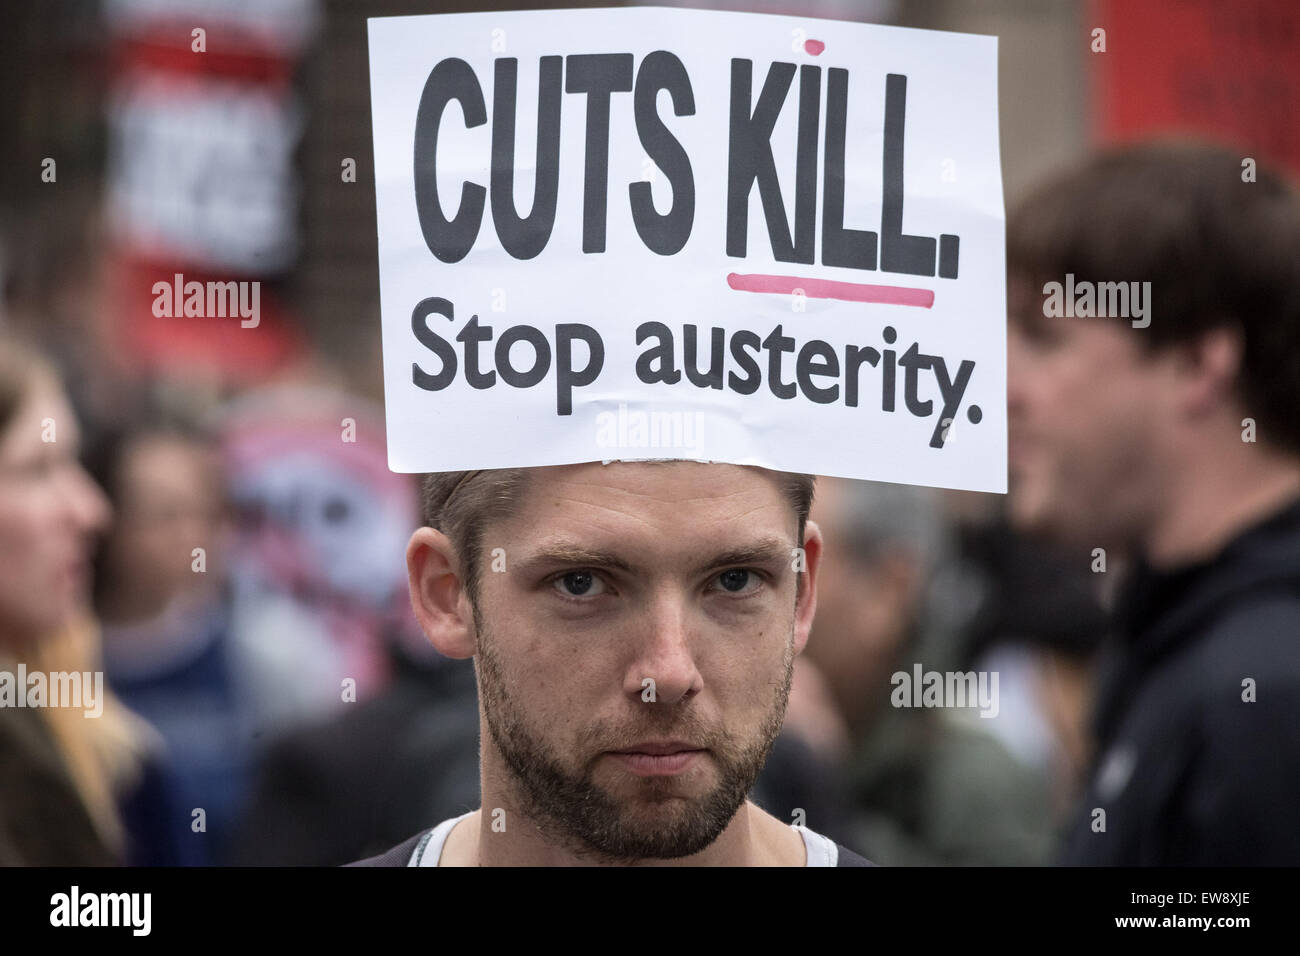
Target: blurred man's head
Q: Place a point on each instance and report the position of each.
(165, 479)
(881, 541)
(574, 587)
(1106, 416)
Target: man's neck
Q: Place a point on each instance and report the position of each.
(752, 838)
(1210, 503)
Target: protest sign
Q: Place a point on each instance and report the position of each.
(660, 233)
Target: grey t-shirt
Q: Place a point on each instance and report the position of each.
(425, 849)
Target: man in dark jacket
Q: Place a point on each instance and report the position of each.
(358, 782)
(1154, 377)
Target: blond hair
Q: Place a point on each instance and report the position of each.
(103, 755)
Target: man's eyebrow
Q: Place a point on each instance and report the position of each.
(572, 554)
(762, 551)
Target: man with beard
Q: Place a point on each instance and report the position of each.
(634, 627)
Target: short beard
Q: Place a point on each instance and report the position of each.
(574, 812)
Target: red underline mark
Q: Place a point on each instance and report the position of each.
(814, 47)
(828, 289)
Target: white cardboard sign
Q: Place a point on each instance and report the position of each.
(661, 233)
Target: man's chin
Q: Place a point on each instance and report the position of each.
(667, 830)
(653, 795)
(1056, 527)
(1027, 509)
(667, 817)
(1035, 515)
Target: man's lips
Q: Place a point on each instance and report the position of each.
(659, 748)
(658, 759)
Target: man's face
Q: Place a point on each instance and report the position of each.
(168, 498)
(1085, 409)
(678, 573)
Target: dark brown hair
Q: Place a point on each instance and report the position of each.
(1218, 251)
(460, 504)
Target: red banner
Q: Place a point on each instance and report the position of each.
(1229, 71)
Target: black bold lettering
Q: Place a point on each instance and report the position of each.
(713, 378)
(887, 384)
(750, 159)
(805, 370)
(435, 343)
(448, 239)
(667, 370)
(776, 343)
(524, 238)
(664, 234)
(951, 393)
(541, 356)
(805, 171)
(472, 335)
(911, 255)
(913, 360)
(748, 385)
(566, 378)
(853, 359)
(598, 75)
(851, 248)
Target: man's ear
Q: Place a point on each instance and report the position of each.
(806, 606)
(438, 595)
(1210, 367)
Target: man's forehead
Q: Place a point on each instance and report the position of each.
(715, 479)
(688, 494)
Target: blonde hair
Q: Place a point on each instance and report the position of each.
(103, 755)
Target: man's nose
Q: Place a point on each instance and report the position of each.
(664, 669)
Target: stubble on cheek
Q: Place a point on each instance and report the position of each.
(652, 817)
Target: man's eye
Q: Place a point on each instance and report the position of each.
(579, 584)
(737, 580)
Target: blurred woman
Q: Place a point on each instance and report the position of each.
(65, 773)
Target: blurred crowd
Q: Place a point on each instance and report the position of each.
(230, 556)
